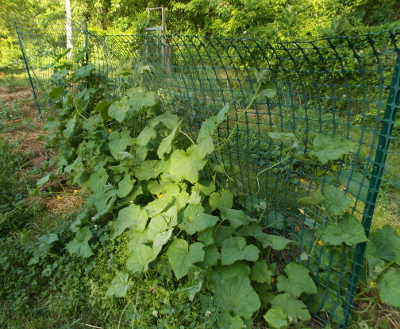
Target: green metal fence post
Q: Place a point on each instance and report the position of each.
(376, 178)
(27, 68)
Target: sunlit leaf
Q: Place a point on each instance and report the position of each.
(119, 285)
(70, 127)
(119, 142)
(196, 220)
(133, 217)
(119, 109)
(221, 200)
(186, 165)
(147, 169)
(276, 317)
(293, 308)
(166, 143)
(141, 257)
(181, 256)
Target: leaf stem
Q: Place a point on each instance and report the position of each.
(191, 140)
(238, 120)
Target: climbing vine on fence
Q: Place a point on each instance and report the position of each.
(155, 184)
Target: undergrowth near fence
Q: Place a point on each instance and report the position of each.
(179, 250)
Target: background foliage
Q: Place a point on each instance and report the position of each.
(275, 20)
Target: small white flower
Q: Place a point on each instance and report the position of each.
(208, 314)
(155, 314)
(93, 218)
(131, 201)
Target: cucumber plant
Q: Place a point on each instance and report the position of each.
(156, 185)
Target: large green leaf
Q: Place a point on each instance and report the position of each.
(221, 200)
(208, 128)
(97, 180)
(133, 217)
(261, 272)
(210, 125)
(267, 89)
(196, 220)
(349, 230)
(297, 281)
(80, 244)
(147, 169)
(211, 256)
(254, 230)
(143, 100)
(102, 107)
(236, 295)
(330, 147)
(162, 222)
(276, 242)
(157, 206)
(276, 317)
(70, 127)
(186, 165)
(226, 321)
(160, 240)
(292, 307)
(147, 133)
(336, 202)
(389, 288)
(125, 186)
(166, 143)
(182, 257)
(119, 142)
(385, 243)
(141, 257)
(224, 272)
(235, 248)
(119, 109)
(119, 285)
(83, 72)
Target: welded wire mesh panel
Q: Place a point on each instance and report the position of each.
(347, 87)
(340, 91)
(42, 42)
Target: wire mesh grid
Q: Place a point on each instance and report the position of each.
(345, 86)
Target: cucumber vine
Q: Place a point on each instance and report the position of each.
(155, 184)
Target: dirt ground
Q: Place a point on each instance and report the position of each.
(20, 121)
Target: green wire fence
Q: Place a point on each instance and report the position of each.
(347, 86)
